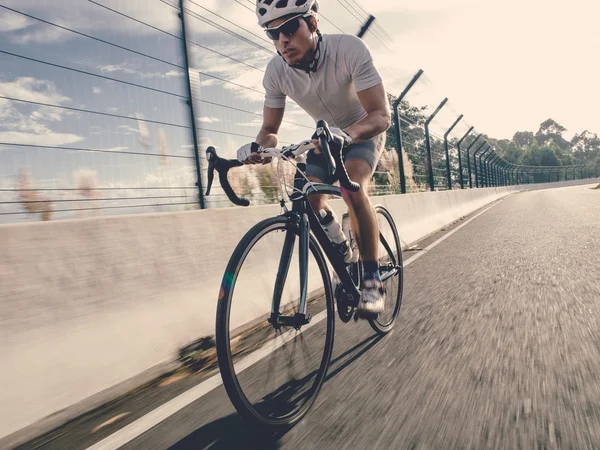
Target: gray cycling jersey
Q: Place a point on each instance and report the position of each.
(344, 68)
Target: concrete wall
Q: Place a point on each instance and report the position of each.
(88, 304)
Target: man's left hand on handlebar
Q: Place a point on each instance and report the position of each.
(250, 154)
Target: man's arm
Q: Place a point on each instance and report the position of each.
(375, 103)
(267, 136)
(272, 118)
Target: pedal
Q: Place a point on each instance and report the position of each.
(365, 315)
(296, 321)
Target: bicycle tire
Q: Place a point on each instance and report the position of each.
(222, 335)
(386, 326)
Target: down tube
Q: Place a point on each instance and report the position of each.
(303, 255)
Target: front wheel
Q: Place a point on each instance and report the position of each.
(273, 372)
(391, 269)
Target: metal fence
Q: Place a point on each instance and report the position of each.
(112, 115)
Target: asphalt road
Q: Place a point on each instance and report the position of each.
(497, 346)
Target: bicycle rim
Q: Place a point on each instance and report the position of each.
(390, 258)
(253, 365)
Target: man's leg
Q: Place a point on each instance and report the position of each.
(319, 201)
(365, 227)
(362, 214)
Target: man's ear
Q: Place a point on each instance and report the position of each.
(313, 24)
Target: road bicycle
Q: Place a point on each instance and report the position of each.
(293, 310)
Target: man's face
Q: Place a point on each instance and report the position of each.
(293, 48)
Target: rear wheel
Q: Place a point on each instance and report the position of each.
(391, 269)
(273, 373)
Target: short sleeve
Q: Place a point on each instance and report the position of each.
(359, 63)
(274, 96)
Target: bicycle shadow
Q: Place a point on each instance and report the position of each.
(233, 432)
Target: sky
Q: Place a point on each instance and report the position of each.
(507, 66)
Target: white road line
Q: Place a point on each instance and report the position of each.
(143, 424)
(153, 418)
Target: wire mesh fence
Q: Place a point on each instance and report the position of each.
(96, 114)
(94, 120)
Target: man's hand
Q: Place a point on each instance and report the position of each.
(250, 154)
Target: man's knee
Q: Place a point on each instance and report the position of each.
(359, 171)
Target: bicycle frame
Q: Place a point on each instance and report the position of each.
(304, 220)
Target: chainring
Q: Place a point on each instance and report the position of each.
(345, 306)
(344, 310)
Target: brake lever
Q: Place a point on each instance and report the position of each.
(211, 157)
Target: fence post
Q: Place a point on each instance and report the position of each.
(190, 102)
(481, 165)
(399, 129)
(484, 167)
(505, 173)
(449, 175)
(428, 144)
(492, 169)
(501, 174)
(366, 26)
(460, 166)
(475, 162)
(469, 159)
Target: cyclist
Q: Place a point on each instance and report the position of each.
(331, 77)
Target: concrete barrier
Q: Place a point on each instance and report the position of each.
(88, 304)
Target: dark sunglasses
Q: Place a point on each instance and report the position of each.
(288, 28)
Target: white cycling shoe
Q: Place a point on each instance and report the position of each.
(372, 300)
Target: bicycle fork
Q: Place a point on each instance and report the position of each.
(301, 228)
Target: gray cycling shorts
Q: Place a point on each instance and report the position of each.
(370, 151)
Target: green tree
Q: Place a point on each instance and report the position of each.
(586, 147)
(523, 139)
(551, 131)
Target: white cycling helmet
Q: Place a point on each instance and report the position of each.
(268, 10)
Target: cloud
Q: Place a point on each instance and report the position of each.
(33, 89)
(96, 90)
(125, 67)
(31, 128)
(10, 21)
(209, 119)
(40, 36)
(113, 149)
(254, 123)
(130, 68)
(46, 137)
(129, 129)
(84, 17)
(208, 82)
(231, 70)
